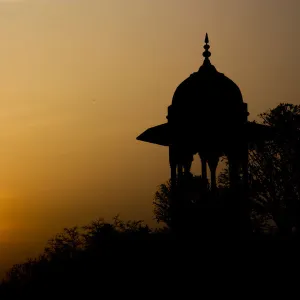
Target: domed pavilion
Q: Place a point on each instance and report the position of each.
(208, 117)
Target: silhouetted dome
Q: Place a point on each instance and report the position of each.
(207, 97)
(207, 87)
(208, 105)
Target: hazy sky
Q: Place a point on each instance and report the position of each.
(80, 79)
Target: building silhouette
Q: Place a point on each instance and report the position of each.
(209, 118)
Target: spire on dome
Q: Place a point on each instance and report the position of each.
(206, 54)
(206, 39)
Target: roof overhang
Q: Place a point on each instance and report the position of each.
(161, 134)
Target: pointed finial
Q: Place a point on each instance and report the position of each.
(206, 39)
(206, 53)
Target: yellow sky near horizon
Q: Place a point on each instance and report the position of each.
(80, 79)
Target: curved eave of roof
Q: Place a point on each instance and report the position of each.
(161, 134)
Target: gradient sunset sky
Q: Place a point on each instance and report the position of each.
(80, 79)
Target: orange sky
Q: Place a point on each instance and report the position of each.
(80, 79)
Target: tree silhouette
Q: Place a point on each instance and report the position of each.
(161, 204)
(276, 167)
(200, 211)
(82, 256)
(274, 171)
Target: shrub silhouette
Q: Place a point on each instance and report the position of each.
(81, 257)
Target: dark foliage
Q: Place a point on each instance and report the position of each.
(100, 253)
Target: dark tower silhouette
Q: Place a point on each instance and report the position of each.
(208, 117)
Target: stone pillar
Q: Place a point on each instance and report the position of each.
(188, 164)
(174, 224)
(173, 165)
(213, 163)
(246, 226)
(234, 171)
(180, 171)
(203, 168)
